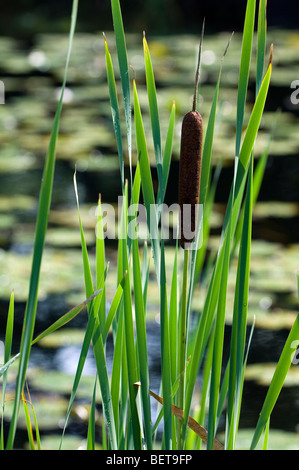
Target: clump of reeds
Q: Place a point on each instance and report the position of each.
(128, 421)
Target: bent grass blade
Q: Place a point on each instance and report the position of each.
(192, 424)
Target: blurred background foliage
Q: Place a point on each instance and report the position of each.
(27, 17)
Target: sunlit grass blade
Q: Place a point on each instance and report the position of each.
(140, 315)
(182, 343)
(240, 314)
(55, 326)
(89, 332)
(208, 145)
(146, 182)
(100, 260)
(255, 120)
(167, 154)
(28, 423)
(7, 353)
(218, 345)
(129, 334)
(165, 355)
(173, 318)
(66, 318)
(115, 110)
(40, 234)
(258, 176)
(244, 69)
(124, 70)
(113, 308)
(142, 343)
(154, 112)
(266, 435)
(90, 445)
(95, 330)
(261, 43)
(277, 382)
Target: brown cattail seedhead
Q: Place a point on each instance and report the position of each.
(189, 176)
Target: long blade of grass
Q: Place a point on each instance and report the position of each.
(95, 329)
(82, 358)
(140, 315)
(218, 345)
(40, 233)
(90, 445)
(255, 119)
(7, 353)
(261, 43)
(124, 70)
(28, 422)
(165, 355)
(277, 382)
(146, 182)
(142, 343)
(115, 110)
(113, 308)
(100, 261)
(37, 434)
(240, 315)
(244, 69)
(66, 318)
(154, 112)
(55, 326)
(129, 334)
(167, 154)
(173, 318)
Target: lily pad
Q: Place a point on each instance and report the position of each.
(70, 442)
(278, 440)
(262, 374)
(59, 383)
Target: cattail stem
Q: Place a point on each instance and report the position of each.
(197, 74)
(189, 183)
(182, 349)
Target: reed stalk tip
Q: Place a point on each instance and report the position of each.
(228, 44)
(134, 73)
(197, 74)
(271, 55)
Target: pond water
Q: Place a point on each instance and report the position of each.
(32, 76)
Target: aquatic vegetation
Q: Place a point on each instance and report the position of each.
(188, 343)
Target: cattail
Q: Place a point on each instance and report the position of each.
(189, 176)
(190, 167)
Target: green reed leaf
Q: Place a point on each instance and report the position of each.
(115, 110)
(277, 382)
(244, 68)
(124, 69)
